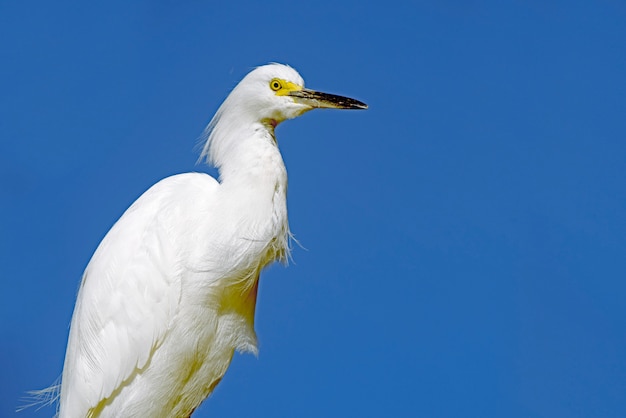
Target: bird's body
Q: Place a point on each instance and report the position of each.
(167, 299)
(170, 293)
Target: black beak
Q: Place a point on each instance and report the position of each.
(321, 100)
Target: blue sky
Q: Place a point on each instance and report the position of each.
(465, 237)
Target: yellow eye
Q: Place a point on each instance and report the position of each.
(275, 84)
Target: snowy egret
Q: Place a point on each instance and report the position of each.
(170, 292)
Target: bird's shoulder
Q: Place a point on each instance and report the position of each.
(179, 186)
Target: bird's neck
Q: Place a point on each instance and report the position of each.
(250, 156)
(254, 179)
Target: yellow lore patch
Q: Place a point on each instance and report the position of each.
(283, 87)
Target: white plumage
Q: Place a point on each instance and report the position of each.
(170, 293)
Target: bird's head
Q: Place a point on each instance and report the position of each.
(273, 93)
(268, 95)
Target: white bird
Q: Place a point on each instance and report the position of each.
(170, 292)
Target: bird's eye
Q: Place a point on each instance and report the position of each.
(275, 85)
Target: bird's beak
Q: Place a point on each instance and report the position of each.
(321, 100)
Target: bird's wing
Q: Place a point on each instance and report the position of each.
(128, 296)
